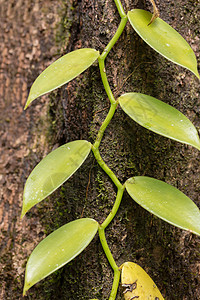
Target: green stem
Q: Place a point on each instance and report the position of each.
(105, 245)
(115, 207)
(120, 8)
(115, 37)
(105, 80)
(112, 263)
(105, 124)
(106, 248)
(102, 58)
(95, 149)
(105, 167)
(115, 285)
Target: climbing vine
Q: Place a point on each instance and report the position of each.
(157, 197)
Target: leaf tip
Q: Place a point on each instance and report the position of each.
(22, 215)
(26, 105)
(24, 290)
(198, 148)
(27, 286)
(29, 100)
(196, 144)
(24, 211)
(194, 70)
(32, 96)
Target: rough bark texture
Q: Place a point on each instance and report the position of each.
(169, 255)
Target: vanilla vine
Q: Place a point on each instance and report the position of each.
(157, 197)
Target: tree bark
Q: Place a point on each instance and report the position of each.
(76, 111)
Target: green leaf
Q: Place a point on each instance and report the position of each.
(164, 39)
(62, 71)
(165, 201)
(138, 283)
(52, 171)
(159, 117)
(59, 248)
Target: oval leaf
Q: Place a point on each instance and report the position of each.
(138, 283)
(62, 71)
(58, 248)
(159, 117)
(165, 201)
(164, 39)
(52, 171)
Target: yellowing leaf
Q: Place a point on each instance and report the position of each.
(165, 201)
(159, 117)
(138, 284)
(164, 39)
(52, 171)
(58, 248)
(62, 71)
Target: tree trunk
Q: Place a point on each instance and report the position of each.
(76, 111)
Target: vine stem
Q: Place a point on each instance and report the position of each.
(112, 263)
(105, 244)
(115, 207)
(95, 149)
(104, 54)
